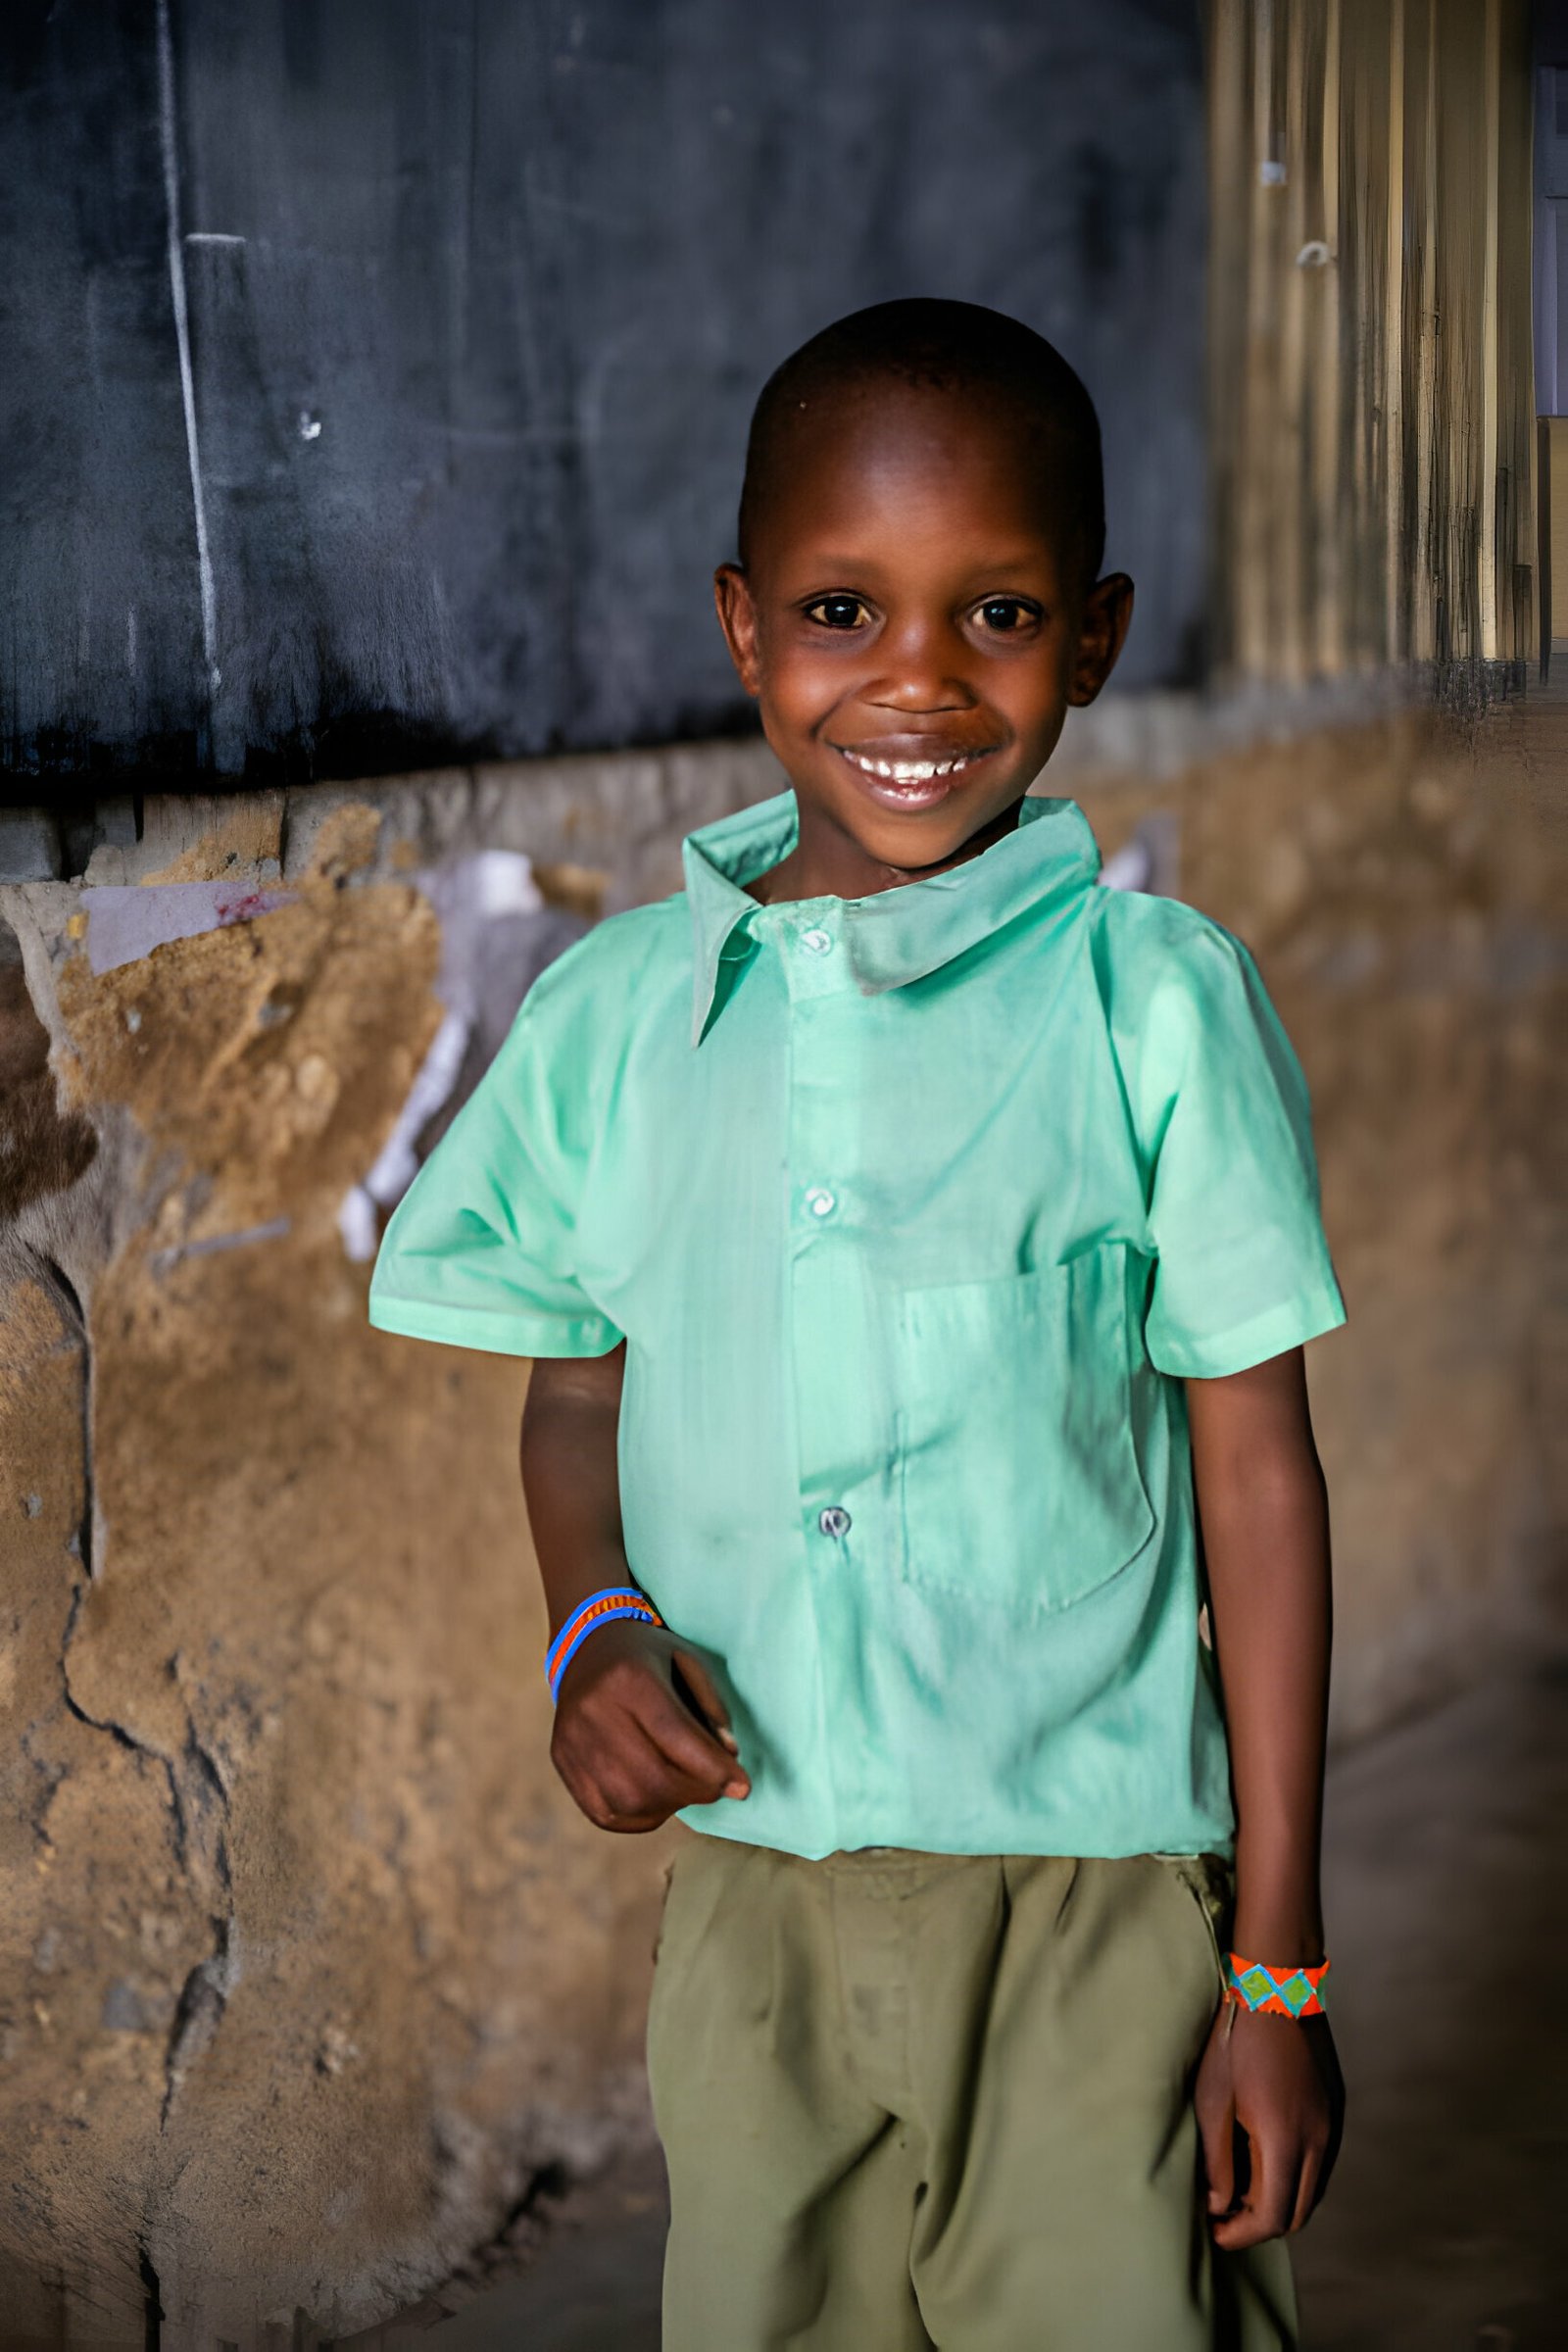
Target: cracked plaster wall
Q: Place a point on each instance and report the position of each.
(310, 1980)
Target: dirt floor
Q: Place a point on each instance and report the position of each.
(1450, 1921)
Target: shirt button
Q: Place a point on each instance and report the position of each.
(818, 941)
(834, 1521)
(820, 1202)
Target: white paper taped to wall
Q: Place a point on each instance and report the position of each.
(497, 934)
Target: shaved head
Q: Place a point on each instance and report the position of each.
(1014, 381)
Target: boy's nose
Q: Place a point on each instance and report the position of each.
(917, 697)
(920, 676)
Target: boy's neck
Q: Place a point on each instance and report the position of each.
(828, 862)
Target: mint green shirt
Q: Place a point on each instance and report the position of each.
(914, 1212)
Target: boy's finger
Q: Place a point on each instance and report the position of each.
(1270, 2201)
(1307, 2187)
(682, 1741)
(700, 1682)
(641, 1783)
(1282, 2174)
(674, 1738)
(1217, 2130)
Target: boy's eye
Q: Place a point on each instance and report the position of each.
(838, 611)
(1004, 613)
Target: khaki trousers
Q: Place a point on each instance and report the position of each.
(914, 2100)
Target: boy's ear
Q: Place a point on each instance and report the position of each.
(1103, 632)
(737, 618)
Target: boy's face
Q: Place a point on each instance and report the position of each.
(912, 626)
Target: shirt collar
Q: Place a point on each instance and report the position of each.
(898, 935)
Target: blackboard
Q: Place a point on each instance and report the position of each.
(374, 373)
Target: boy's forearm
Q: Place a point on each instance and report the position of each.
(1264, 1514)
(640, 1729)
(571, 1481)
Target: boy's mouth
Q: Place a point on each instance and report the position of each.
(904, 778)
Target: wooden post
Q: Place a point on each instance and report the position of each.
(1291, 468)
(1423, 618)
(1543, 540)
(1394, 350)
(1259, 597)
(1328, 390)
(1488, 354)
(1229, 216)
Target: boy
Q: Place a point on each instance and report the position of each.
(903, 1225)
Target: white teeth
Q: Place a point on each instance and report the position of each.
(907, 771)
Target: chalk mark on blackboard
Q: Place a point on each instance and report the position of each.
(169, 133)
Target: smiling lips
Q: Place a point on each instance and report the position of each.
(908, 780)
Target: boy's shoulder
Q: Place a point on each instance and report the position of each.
(1178, 991)
(1144, 942)
(622, 953)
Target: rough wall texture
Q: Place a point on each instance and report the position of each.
(1402, 886)
(312, 1986)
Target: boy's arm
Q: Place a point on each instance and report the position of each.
(630, 1739)
(1264, 1514)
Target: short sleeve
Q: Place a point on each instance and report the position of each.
(482, 1250)
(1243, 1270)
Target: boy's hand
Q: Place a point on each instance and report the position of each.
(1279, 2081)
(640, 1731)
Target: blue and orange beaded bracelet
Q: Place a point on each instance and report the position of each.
(600, 1608)
(1275, 1991)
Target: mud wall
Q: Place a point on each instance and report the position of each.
(313, 1987)
(1403, 884)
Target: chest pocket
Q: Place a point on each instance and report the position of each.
(1020, 1473)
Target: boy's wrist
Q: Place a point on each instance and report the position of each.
(614, 1604)
(591, 1568)
(1280, 1908)
(1282, 1935)
(1277, 1922)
